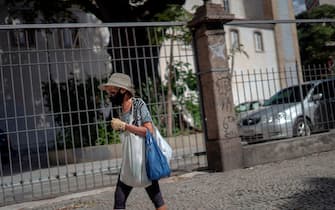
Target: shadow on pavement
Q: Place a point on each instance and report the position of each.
(318, 193)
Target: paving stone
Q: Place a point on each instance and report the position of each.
(303, 183)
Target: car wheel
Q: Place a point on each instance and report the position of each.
(301, 129)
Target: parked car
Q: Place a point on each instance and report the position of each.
(282, 114)
(246, 108)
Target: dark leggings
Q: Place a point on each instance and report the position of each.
(122, 192)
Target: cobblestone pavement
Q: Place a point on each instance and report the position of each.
(303, 183)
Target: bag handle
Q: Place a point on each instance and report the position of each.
(131, 118)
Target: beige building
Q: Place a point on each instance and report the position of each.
(267, 47)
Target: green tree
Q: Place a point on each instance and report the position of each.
(59, 11)
(73, 105)
(314, 38)
(174, 35)
(107, 11)
(185, 81)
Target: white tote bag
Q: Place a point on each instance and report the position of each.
(163, 145)
(133, 171)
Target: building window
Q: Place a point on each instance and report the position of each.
(259, 47)
(234, 38)
(226, 6)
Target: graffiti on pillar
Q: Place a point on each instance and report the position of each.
(223, 86)
(217, 50)
(228, 130)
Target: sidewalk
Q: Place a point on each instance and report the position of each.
(303, 183)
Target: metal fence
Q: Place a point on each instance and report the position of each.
(288, 100)
(272, 107)
(55, 138)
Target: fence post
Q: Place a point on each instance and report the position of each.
(223, 144)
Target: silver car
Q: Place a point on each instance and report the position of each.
(282, 115)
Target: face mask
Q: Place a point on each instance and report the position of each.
(117, 99)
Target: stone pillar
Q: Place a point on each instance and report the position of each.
(222, 141)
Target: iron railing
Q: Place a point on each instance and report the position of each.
(270, 106)
(55, 137)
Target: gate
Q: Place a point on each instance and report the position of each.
(54, 135)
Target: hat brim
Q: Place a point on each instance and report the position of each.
(104, 86)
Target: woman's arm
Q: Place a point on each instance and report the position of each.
(140, 130)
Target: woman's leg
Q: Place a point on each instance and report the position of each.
(121, 194)
(155, 195)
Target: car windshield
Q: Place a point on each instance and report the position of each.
(247, 106)
(289, 95)
(242, 107)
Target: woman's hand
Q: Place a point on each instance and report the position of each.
(118, 125)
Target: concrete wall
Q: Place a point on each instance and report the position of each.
(253, 155)
(182, 145)
(287, 149)
(237, 8)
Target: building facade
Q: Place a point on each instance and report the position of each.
(265, 47)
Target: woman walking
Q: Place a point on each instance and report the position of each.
(136, 119)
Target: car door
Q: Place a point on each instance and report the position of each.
(325, 113)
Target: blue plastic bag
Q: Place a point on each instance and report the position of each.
(157, 165)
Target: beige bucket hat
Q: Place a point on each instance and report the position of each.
(119, 80)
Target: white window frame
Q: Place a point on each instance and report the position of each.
(258, 40)
(234, 39)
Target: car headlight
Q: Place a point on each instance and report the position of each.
(278, 117)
